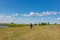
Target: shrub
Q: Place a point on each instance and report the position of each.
(11, 25)
(43, 23)
(17, 25)
(35, 24)
(55, 23)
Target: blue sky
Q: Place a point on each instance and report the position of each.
(29, 11)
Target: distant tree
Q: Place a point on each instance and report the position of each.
(35, 24)
(43, 23)
(12, 23)
(48, 23)
(39, 24)
(55, 23)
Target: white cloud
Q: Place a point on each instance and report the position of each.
(5, 17)
(32, 14)
(1, 16)
(42, 13)
(8, 16)
(13, 18)
(58, 18)
(25, 15)
(16, 14)
(55, 13)
(46, 13)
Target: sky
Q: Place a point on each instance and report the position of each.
(29, 11)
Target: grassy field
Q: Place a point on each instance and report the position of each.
(44, 32)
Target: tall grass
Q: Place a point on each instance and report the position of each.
(47, 32)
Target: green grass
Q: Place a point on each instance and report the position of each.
(17, 25)
(46, 32)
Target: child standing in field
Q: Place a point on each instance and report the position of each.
(31, 25)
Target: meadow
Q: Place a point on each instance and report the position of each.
(38, 32)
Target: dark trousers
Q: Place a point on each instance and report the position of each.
(30, 27)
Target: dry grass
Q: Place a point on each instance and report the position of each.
(47, 32)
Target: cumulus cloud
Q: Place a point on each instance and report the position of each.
(46, 13)
(1, 16)
(32, 14)
(58, 18)
(42, 13)
(5, 17)
(16, 14)
(8, 16)
(25, 15)
(55, 13)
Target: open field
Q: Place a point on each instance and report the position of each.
(44, 32)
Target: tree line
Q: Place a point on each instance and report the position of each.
(45, 23)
